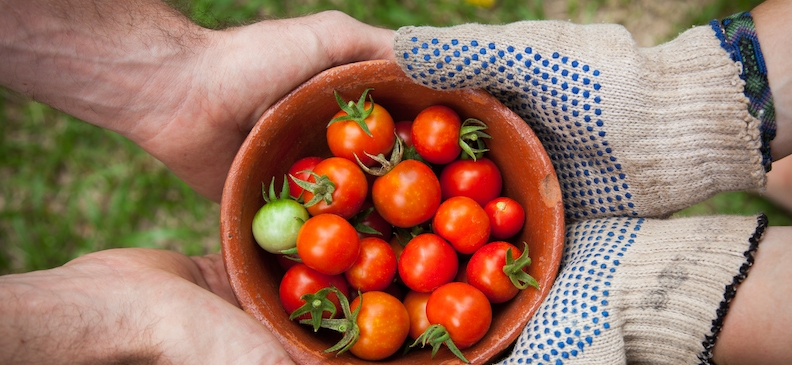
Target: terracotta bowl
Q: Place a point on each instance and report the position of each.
(295, 128)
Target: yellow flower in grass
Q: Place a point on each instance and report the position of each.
(481, 3)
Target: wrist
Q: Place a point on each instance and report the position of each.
(49, 317)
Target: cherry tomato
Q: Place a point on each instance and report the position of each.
(328, 243)
(407, 195)
(463, 223)
(415, 302)
(375, 266)
(298, 170)
(480, 180)
(485, 271)
(506, 216)
(347, 139)
(300, 280)
(427, 262)
(435, 133)
(277, 223)
(384, 324)
(351, 188)
(463, 310)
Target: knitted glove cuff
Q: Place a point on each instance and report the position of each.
(738, 37)
(635, 290)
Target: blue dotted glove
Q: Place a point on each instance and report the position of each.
(631, 131)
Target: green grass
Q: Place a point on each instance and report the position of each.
(385, 13)
(69, 188)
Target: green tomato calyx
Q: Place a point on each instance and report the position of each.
(437, 335)
(269, 196)
(346, 325)
(355, 112)
(322, 189)
(514, 269)
(315, 305)
(471, 138)
(385, 164)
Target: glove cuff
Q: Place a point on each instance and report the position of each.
(731, 289)
(635, 290)
(737, 34)
(675, 288)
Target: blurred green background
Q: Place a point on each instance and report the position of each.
(68, 188)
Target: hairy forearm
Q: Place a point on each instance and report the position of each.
(773, 28)
(95, 59)
(47, 318)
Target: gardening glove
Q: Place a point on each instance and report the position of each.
(632, 132)
(641, 290)
(638, 132)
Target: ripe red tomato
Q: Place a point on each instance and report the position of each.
(298, 170)
(384, 324)
(485, 271)
(435, 133)
(415, 302)
(347, 139)
(328, 243)
(463, 223)
(375, 266)
(506, 216)
(300, 280)
(463, 310)
(407, 195)
(351, 188)
(427, 262)
(480, 180)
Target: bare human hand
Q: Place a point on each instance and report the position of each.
(187, 95)
(130, 306)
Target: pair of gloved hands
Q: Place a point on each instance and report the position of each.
(634, 134)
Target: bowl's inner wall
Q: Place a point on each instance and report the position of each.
(295, 128)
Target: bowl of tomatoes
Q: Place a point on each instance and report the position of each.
(295, 140)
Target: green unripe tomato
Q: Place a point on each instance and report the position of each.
(276, 224)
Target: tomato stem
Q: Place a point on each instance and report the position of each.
(269, 196)
(347, 325)
(515, 269)
(385, 164)
(355, 112)
(316, 304)
(322, 189)
(436, 335)
(472, 132)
